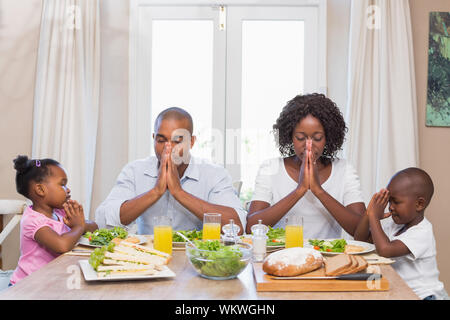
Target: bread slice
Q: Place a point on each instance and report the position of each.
(362, 264)
(121, 273)
(337, 264)
(145, 249)
(349, 248)
(352, 267)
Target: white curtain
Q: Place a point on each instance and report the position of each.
(67, 91)
(382, 110)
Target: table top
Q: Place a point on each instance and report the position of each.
(62, 278)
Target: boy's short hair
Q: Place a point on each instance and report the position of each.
(420, 182)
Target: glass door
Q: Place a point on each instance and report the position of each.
(266, 54)
(182, 54)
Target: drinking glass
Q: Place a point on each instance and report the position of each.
(294, 231)
(162, 233)
(211, 226)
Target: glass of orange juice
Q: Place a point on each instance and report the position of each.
(211, 226)
(162, 234)
(294, 231)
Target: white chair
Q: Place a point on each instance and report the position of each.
(237, 185)
(9, 207)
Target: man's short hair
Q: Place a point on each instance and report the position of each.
(177, 114)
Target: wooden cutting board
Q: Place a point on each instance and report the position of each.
(265, 283)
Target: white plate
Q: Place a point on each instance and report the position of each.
(85, 241)
(368, 247)
(91, 275)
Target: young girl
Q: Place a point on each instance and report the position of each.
(404, 232)
(308, 179)
(54, 223)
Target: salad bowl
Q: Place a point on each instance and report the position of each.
(213, 260)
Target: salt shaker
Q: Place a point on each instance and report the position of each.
(230, 232)
(259, 240)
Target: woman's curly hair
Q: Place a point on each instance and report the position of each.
(320, 107)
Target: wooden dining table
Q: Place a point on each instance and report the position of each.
(63, 278)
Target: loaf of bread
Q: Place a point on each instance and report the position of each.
(292, 262)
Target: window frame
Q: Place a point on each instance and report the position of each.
(227, 104)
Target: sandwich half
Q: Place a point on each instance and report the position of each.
(125, 259)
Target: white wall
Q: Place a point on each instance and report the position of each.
(338, 19)
(19, 35)
(112, 137)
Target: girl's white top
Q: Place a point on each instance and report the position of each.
(273, 184)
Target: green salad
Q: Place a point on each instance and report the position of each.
(276, 237)
(103, 236)
(337, 245)
(190, 234)
(218, 261)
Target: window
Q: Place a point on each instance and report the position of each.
(232, 67)
(182, 69)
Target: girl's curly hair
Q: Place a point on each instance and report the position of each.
(319, 107)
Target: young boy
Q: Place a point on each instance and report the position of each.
(404, 232)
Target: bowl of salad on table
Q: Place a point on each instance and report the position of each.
(212, 259)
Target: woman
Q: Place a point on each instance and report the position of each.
(308, 179)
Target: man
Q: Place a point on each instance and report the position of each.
(173, 183)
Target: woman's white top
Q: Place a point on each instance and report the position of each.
(273, 183)
(418, 268)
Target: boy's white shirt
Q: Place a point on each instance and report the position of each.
(418, 268)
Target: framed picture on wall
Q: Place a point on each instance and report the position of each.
(438, 91)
